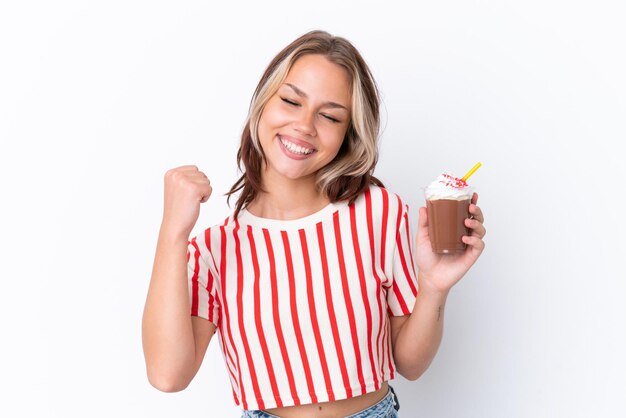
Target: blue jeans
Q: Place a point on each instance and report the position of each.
(386, 408)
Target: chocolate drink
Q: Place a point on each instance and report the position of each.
(446, 224)
(447, 201)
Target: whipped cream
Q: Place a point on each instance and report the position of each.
(446, 186)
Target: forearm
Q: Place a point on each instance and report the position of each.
(167, 332)
(419, 338)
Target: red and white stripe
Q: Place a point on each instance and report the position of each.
(302, 312)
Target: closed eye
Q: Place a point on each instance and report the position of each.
(292, 103)
(289, 102)
(331, 119)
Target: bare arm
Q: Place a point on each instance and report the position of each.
(174, 342)
(416, 337)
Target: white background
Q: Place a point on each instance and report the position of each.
(99, 99)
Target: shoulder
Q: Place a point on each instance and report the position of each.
(209, 237)
(381, 199)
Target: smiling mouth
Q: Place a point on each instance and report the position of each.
(296, 149)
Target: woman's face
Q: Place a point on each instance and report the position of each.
(304, 123)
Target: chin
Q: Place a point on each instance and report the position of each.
(293, 174)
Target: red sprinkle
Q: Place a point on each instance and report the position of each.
(454, 182)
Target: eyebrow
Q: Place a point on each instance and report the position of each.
(325, 104)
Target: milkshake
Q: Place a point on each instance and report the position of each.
(447, 200)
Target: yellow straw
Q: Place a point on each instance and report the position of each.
(469, 173)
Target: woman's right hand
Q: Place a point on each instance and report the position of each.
(185, 188)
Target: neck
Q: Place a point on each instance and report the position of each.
(287, 199)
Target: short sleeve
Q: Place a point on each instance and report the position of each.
(403, 292)
(202, 282)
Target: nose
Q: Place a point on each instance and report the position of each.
(305, 123)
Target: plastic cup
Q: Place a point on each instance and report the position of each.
(446, 221)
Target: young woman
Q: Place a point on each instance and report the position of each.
(313, 281)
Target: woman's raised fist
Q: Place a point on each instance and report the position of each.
(186, 188)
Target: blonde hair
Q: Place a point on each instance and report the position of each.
(350, 172)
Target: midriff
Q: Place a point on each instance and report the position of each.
(333, 409)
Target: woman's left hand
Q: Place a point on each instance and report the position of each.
(439, 272)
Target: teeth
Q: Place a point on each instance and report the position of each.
(295, 148)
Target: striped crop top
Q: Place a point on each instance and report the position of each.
(301, 306)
